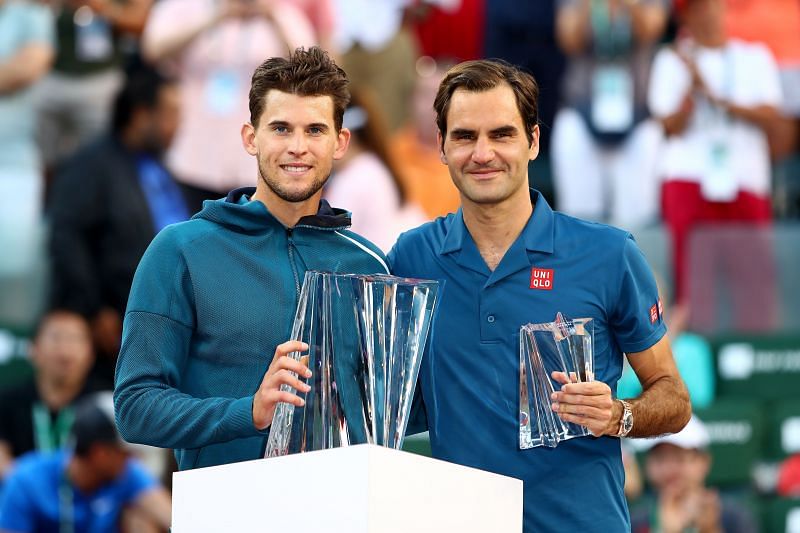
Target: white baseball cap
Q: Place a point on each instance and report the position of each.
(692, 437)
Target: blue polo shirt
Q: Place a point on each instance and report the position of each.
(470, 374)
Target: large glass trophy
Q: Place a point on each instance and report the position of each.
(560, 346)
(366, 335)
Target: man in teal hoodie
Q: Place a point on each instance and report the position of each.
(214, 297)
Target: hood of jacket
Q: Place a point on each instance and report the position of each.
(253, 216)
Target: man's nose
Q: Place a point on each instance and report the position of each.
(299, 143)
(483, 151)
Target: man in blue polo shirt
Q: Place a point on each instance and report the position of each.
(491, 257)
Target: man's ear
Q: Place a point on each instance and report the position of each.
(249, 138)
(342, 142)
(440, 142)
(533, 151)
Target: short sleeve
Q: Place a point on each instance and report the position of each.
(137, 481)
(16, 505)
(636, 319)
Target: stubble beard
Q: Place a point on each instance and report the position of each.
(287, 195)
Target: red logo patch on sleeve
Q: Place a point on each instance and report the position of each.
(542, 278)
(653, 314)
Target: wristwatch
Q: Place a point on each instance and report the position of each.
(626, 421)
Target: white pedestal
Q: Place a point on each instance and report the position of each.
(356, 489)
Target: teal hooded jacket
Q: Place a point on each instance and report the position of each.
(210, 301)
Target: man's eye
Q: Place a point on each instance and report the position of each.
(280, 129)
(315, 131)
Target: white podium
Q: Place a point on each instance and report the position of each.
(356, 489)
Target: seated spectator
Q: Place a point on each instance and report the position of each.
(676, 467)
(715, 97)
(605, 147)
(91, 487)
(416, 151)
(108, 203)
(37, 415)
(26, 52)
(366, 182)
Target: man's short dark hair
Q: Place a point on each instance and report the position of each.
(304, 73)
(140, 90)
(484, 75)
(94, 423)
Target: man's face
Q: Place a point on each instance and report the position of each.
(62, 351)
(669, 466)
(108, 461)
(486, 148)
(295, 144)
(162, 121)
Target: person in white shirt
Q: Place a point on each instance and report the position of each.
(714, 97)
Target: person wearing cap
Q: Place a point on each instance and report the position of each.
(676, 467)
(91, 486)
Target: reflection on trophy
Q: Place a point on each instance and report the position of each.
(366, 335)
(560, 346)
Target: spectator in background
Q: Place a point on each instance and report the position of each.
(378, 51)
(676, 467)
(604, 147)
(320, 14)
(213, 51)
(108, 203)
(452, 30)
(366, 181)
(714, 98)
(26, 51)
(38, 415)
(74, 100)
(416, 152)
(92, 486)
(524, 34)
(776, 23)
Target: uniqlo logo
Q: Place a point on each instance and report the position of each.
(653, 314)
(542, 278)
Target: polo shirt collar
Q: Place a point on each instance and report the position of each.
(538, 232)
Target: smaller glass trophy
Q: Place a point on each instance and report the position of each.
(561, 346)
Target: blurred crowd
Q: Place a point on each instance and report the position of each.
(119, 117)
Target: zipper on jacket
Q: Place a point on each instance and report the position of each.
(290, 248)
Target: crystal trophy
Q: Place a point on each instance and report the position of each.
(560, 346)
(366, 335)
